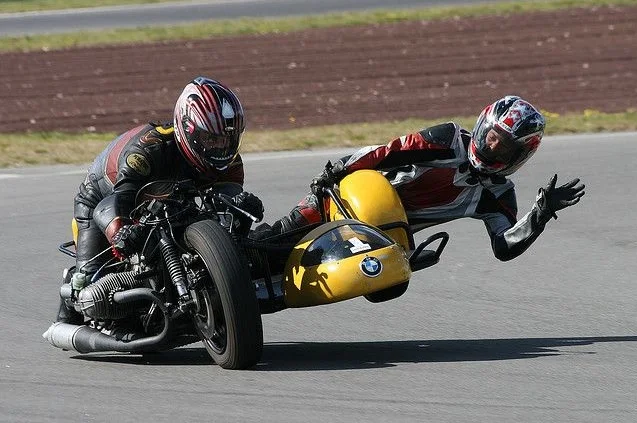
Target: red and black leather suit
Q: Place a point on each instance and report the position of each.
(106, 197)
(432, 175)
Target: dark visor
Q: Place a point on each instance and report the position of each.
(213, 146)
(504, 152)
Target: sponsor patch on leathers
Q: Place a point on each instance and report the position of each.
(138, 163)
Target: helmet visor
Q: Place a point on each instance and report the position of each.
(495, 146)
(216, 149)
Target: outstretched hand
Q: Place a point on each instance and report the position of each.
(552, 199)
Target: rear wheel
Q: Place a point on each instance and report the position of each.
(227, 320)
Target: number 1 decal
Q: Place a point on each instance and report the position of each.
(358, 245)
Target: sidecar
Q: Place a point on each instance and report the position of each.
(340, 260)
(364, 247)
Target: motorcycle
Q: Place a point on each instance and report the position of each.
(200, 276)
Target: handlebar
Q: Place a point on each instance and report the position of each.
(227, 200)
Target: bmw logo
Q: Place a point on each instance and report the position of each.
(371, 266)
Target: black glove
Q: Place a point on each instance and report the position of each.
(332, 174)
(550, 199)
(129, 239)
(250, 203)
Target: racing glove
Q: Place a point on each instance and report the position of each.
(250, 203)
(551, 199)
(129, 239)
(331, 175)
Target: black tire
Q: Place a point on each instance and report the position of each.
(387, 293)
(228, 320)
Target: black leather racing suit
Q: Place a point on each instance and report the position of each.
(106, 197)
(431, 173)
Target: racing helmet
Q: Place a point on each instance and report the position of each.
(209, 122)
(515, 126)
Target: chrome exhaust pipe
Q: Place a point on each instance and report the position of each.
(84, 339)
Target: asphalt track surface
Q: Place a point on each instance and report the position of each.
(547, 337)
(30, 23)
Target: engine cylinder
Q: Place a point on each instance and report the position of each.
(96, 299)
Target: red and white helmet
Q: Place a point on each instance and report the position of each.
(209, 122)
(518, 124)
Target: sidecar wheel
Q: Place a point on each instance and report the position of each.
(387, 293)
(227, 320)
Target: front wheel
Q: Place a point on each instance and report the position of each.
(227, 320)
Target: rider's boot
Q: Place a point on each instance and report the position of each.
(305, 213)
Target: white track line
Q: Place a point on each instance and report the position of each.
(37, 172)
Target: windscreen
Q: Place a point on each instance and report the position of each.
(342, 242)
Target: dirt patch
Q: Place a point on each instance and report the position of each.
(561, 61)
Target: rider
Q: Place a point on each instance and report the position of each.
(201, 143)
(445, 172)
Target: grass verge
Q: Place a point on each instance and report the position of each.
(18, 150)
(13, 6)
(217, 28)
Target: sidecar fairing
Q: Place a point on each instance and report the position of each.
(340, 260)
(368, 196)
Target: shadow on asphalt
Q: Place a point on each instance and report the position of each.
(306, 356)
